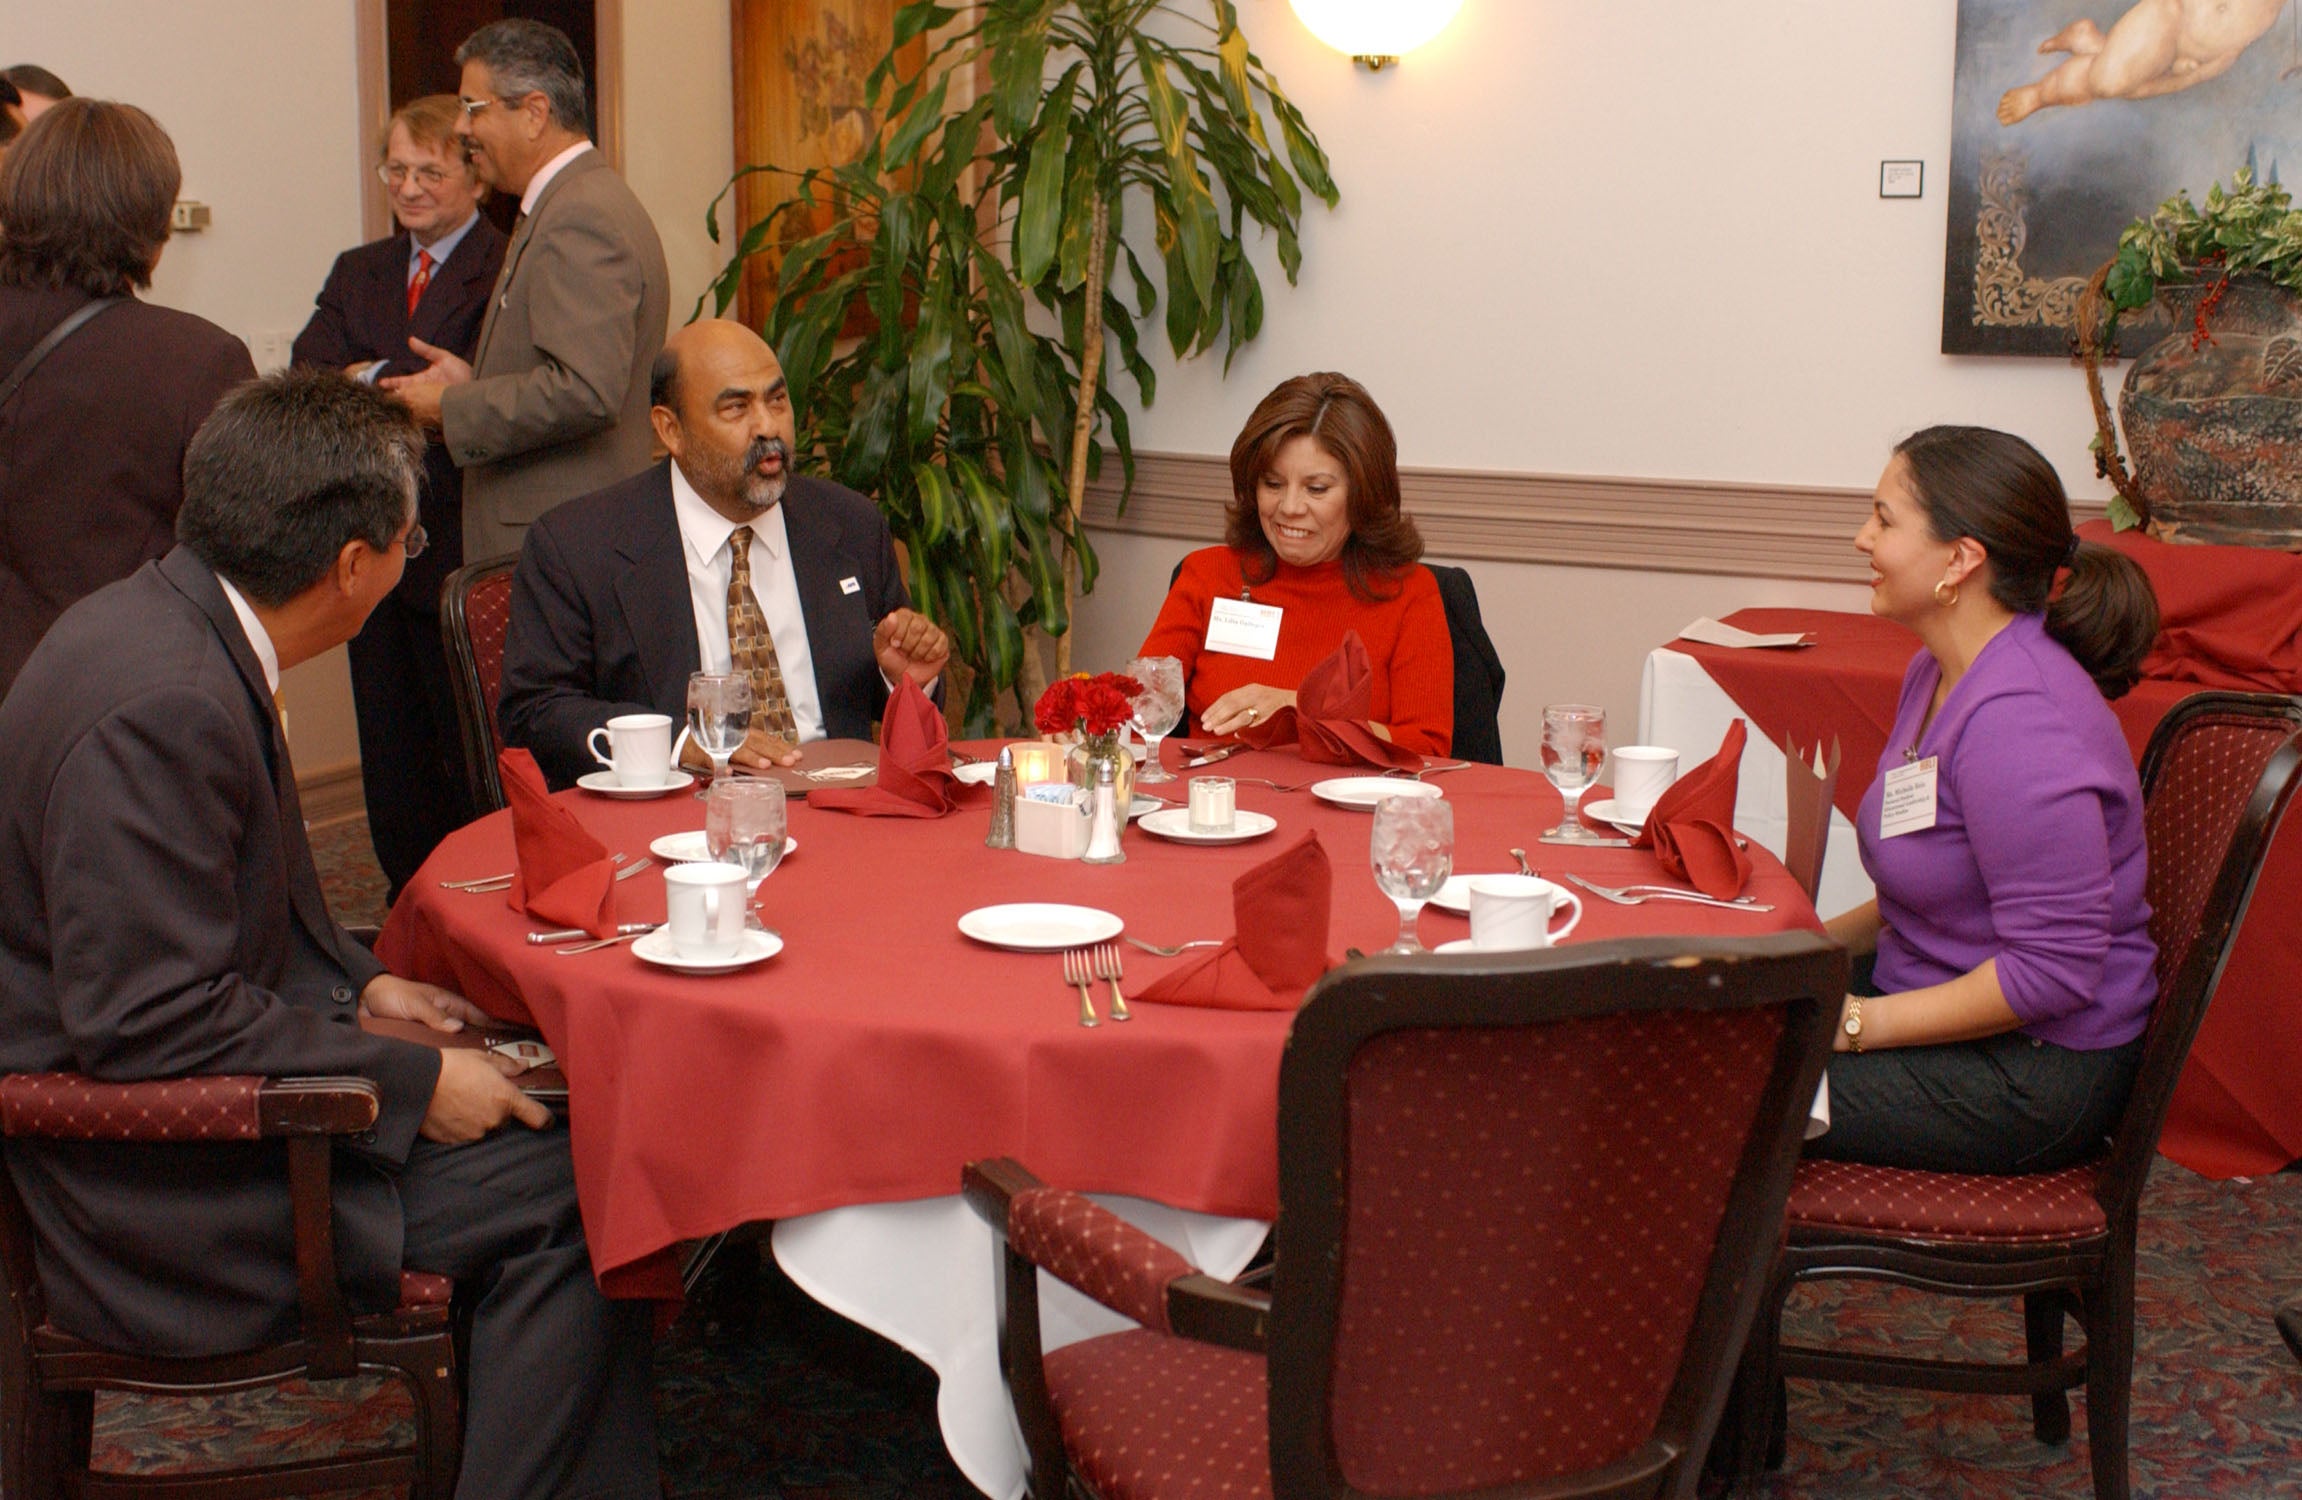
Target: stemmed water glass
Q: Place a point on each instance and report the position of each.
(719, 716)
(1158, 709)
(1574, 748)
(1413, 848)
(744, 823)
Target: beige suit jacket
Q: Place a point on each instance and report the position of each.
(558, 404)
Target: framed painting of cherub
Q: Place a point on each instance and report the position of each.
(2072, 118)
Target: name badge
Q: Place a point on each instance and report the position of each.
(850, 586)
(1907, 804)
(1240, 627)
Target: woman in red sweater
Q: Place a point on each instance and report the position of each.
(1316, 546)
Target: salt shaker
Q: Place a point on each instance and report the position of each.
(1002, 835)
(1104, 819)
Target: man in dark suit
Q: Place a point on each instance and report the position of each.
(430, 282)
(554, 402)
(160, 916)
(92, 442)
(621, 595)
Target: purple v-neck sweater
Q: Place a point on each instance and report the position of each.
(2035, 857)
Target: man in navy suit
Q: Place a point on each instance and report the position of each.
(620, 595)
(430, 281)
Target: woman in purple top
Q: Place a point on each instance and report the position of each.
(2013, 970)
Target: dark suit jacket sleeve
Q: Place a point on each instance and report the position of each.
(211, 373)
(582, 279)
(550, 701)
(145, 924)
(327, 340)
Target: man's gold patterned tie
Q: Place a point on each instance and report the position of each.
(750, 647)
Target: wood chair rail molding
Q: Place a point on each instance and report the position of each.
(1584, 521)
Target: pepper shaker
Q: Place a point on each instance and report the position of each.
(1002, 835)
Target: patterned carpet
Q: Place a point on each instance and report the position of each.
(761, 1393)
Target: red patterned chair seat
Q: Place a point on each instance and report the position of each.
(1164, 1417)
(424, 1289)
(2044, 1208)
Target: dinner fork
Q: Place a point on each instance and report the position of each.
(606, 942)
(497, 882)
(1276, 786)
(1438, 770)
(1076, 971)
(1107, 967)
(1170, 950)
(1640, 895)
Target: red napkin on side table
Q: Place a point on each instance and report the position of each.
(915, 778)
(1329, 719)
(1691, 827)
(1279, 914)
(565, 877)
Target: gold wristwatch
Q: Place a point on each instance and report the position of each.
(1853, 1023)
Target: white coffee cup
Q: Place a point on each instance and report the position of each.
(706, 905)
(1642, 774)
(640, 748)
(1513, 912)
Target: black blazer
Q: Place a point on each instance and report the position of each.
(160, 916)
(602, 624)
(363, 315)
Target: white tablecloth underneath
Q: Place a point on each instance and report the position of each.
(922, 1275)
(1683, 707)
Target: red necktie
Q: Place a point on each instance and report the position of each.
(422, 279)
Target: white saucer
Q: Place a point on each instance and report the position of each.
(691, 848)
(1040, 926)
(1606, 812)
(604, 783)
(656, 948)
(979, 773)
(1141, 806)
(1455, 895)
(1365, 791)
(1459, 945)
(1175, 823)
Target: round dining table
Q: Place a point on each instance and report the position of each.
(838, 1087)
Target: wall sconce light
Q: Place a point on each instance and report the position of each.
(1375, 33)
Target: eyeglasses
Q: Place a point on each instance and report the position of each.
(429, 178)
(472, 107)
(415, 541)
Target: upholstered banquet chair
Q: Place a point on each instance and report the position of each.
(475, 615)
(49, 1379)
(1526, 1204)
(2216, 778)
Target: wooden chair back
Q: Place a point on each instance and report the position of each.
(475, 615)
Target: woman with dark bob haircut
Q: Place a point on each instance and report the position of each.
(1317, 538)
(92, 443)
(2013, 972)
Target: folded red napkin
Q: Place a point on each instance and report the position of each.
(565, 877)
(1279, 913)
(915, 779)
(1329, 719)
(1691, 827)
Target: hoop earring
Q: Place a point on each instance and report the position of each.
(1939, 587)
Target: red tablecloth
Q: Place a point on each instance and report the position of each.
(2236, 1109)
(881, 1049)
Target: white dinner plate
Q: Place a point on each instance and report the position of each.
(692, 848)
(604, 783)
(1366, 791)
(1141, 806)
(979, 773)
(1040, 926)
(1604, 810)
(1175, 823)
(656, 947)
(1455, 895)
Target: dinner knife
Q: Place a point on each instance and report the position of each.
(1220, 752)
(577, 934)
(1587, 843)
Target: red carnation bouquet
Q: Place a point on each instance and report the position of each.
(1093, 706)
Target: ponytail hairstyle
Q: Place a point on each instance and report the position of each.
(1994, 487)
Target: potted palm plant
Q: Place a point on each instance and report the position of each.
(983, 241)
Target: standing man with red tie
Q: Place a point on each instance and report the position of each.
(429, 282)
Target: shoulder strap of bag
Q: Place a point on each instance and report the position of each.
(73, 322)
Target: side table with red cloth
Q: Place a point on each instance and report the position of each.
(2231, 617)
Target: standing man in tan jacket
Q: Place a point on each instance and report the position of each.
(554, 403)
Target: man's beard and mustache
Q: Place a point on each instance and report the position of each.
(742, 482)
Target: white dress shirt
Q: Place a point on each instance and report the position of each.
(703, 534)
(546, 172)
(259, 639)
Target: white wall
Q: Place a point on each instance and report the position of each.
(1633, 238)
(679, 129)
(259, 96)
